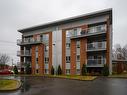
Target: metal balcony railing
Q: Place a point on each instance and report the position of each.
(24, 53)
(96, 46)
(96, 62)
(28, 41)
(96, 29)
(89, 31)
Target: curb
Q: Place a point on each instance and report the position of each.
(119, 77)
(69, 78)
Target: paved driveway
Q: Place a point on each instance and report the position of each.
(51, 86)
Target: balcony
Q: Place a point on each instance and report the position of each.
(29, 41)
(96, 30)
(96, 46)
(96, 62)
(24, 53)
(23, 64)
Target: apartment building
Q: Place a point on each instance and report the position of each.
(70, 43)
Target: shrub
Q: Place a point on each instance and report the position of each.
(27, 69)
(52, 70)
(59, 71)
(105, 70)
(84, 70)
(15, 69)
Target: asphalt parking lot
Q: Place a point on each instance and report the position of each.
(55, 86)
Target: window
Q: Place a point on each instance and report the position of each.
(70, 33)
(67, 59)
(36, 70)
(90, 57)
(100, 28)
(36, 55)
(46, 71)
(78, 44)
(73, 32)
(30, 39)
(91, 30)
(67, 71)
(36, 49)
(36, 60)
(45, 38)
(78, 31)
(83, 32)
(41, 36)
(78, 57)
(27, 39)
(38, 37)
(46, 48)
(100, 44)
(77, 71)
(67, 45)
(46, 59)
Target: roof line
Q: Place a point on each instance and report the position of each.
(66, 20)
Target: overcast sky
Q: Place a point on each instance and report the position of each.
(18, 14)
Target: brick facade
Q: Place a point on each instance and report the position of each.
(82, 23)
(63, 51)
(73, 57)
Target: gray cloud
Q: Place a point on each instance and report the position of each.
(17, 14)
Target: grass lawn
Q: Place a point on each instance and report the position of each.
(76, 77)
(6, 84)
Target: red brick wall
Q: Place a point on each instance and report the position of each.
(83, 52)
(41, 55)
(83, 48)
(73, 57)
(63, 51)
(41, 58)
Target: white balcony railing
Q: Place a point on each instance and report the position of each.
(96, 46)
(96, 62)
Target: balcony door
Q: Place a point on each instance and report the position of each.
(99, 58)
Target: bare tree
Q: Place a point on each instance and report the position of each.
(125, 52)
(120, 52)
(4, 58)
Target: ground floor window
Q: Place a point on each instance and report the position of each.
(36, 70)
(78, 58)
(78, 71)
(46, 71)
(67, 71)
